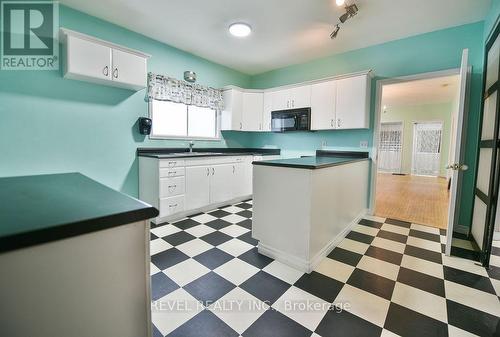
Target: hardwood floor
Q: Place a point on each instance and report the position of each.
(417, 199)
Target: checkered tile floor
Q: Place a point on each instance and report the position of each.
(386, 278)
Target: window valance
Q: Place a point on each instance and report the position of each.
(164, 88)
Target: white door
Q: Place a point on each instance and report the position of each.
(221, 183)
(280, 100)
(427, 148)
(129, 68)
(266, 113)
(390, 147)
(323, 105)
(457, 158)
(89, 59)
(352, 102)
(197, 181)
(253, 103)
(300, 97)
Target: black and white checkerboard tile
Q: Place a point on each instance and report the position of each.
(386, 278)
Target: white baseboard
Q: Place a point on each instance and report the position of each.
(302, 264)
(211, 207)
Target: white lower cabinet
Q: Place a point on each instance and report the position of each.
(222, 183)
(197, 184)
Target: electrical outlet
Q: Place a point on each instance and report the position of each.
(363, 144)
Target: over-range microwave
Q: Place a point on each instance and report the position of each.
(291, 120)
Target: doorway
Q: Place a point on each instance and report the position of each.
(415, 138)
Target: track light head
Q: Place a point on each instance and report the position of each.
(350, 11)
(335, 32)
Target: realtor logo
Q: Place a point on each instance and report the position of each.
(29, 31)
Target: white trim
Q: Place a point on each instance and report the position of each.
(294, 85)
(302, 264)
(64, 33)
(376, 125)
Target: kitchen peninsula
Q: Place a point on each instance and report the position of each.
(303, 207)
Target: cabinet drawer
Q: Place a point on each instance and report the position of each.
(169, 206)
(168, 172)
(171, 186)
(171, 163)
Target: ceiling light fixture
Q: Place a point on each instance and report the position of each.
(240, 29)
(340, 2)
(335, 32)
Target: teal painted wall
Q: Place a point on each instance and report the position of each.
(433, 51)
(492, 18)
(50, 124)
(408, 114)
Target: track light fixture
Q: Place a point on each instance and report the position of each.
(335, 31)
(350, 11)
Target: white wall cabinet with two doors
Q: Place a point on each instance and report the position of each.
(341, 102)
(179, 187)
(94, 60)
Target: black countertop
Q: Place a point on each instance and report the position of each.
(205, 152)
(321, 160)
(43, 208)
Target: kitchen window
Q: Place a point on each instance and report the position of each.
(178, 120)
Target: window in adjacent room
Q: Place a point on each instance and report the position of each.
(178, 120)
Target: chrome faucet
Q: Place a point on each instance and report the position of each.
(191, 144)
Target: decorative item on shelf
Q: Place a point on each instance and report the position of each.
(145, 125)
(164, 88)
(190, 76)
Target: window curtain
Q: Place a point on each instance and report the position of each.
(164, 88)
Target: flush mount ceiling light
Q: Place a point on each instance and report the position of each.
(240, 29)
(340, 2)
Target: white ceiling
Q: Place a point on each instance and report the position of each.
(285, 32)
(428, 91)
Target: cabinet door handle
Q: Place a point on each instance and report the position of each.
(208, 171)
(331, 123)
(105, 71)
(115, 73)
(233, 169)
(293, 103)
(172, 186)
(213, 171)
(288, 103)
(173, 205)
(241, 125)
(171, 173)
(339, 122)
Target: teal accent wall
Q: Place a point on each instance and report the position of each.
(423, 53)
(492, 18)
(49, 124)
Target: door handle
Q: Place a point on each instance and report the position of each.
(115, 73)
(105, 71)
(456, 167)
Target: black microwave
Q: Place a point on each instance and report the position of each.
(291, 120)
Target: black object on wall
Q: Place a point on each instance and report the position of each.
(145, 125)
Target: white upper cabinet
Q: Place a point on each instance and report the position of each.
(300, 97)
(323, 97)
(233, 110)
(94, 60)
(297, 97)
(253, 103)
(128, 68)
(266, 113)
(87, 60)
(352, 106)
(336, 103)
